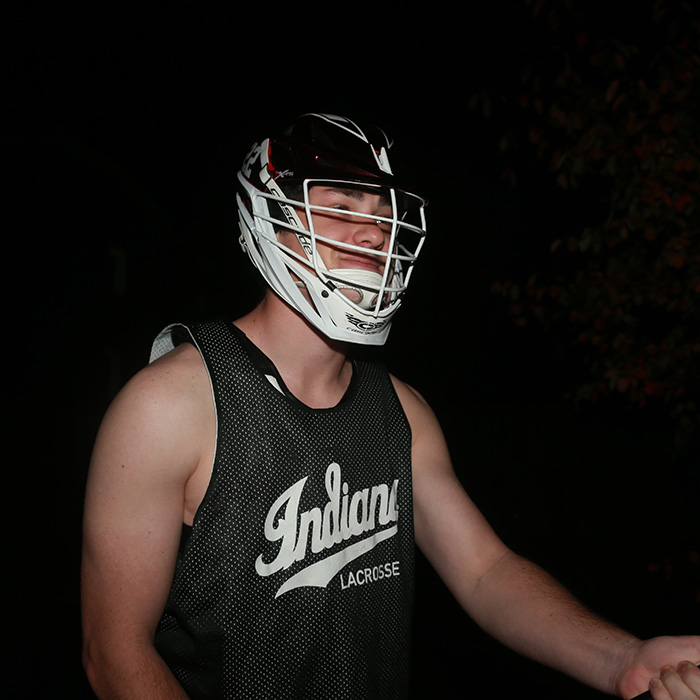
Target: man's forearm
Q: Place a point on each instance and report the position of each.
(131, 674)
(526, 609)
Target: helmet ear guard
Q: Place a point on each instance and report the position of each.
(347, 304)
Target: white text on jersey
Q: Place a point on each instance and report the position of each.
(343, 517)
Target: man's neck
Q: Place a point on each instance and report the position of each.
(314, 368)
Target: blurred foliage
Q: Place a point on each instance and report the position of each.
(613, 107)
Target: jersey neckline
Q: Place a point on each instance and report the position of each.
(266, 368)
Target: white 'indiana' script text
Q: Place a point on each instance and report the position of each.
(343, 517)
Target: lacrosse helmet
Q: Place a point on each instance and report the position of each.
(353, 305)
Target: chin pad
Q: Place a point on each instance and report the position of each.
(360, 286)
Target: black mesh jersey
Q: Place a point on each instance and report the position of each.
(296, 580)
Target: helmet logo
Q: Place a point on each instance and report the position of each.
(252, 156)
(364, 325)
(382, 159)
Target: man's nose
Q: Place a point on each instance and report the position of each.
(368, 234)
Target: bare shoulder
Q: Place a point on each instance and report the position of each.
(430, 454)
(174, 387)
(411, 401)
(159, 422)
(422, 419)
(179, 374)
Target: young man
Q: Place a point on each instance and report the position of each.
(255, 494)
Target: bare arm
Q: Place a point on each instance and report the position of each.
(511, 598)
(149, 445)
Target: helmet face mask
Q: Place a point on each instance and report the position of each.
(285, 230)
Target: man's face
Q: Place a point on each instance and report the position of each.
(343, 226)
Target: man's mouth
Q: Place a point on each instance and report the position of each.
(361, 262)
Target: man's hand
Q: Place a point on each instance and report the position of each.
(666, 666)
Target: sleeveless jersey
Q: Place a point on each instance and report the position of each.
(296, 578)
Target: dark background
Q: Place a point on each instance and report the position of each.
(126, 127)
